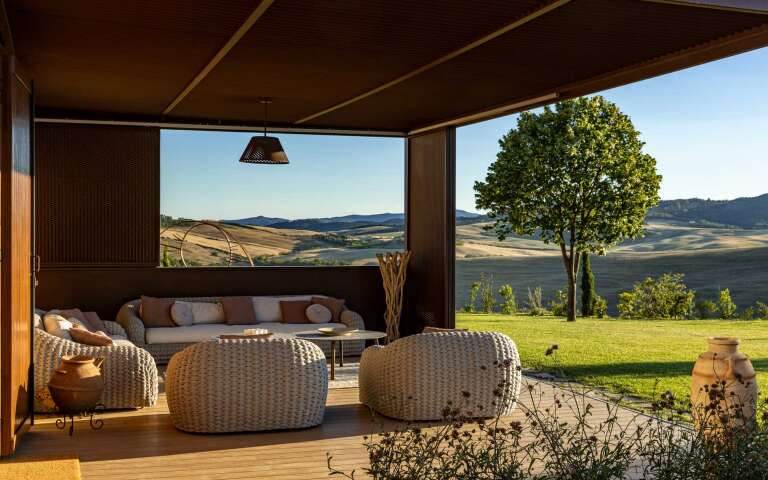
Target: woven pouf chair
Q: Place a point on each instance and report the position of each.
(418, 377)
(247, 385)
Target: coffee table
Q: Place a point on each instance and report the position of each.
(358, 335)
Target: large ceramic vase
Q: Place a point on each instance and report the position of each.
(77, 385)
(723, 388)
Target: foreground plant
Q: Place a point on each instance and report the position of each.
(564, 433)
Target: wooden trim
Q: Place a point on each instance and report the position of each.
(739, 6)
(471, 46)
(226, 127)
(491, 113)
(233, 40)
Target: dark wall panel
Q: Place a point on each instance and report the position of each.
(98, 195)
(430, 231)
(105, 290)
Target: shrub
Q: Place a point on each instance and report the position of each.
(473, 292)
(535, 304)
(725, 305)
(600, 307)
(706, 309)
(664, 297)
(559, 306)
(509, 304)
(588, 294)
(544, 444)
(747, 314)
(761, 310)
(487, 298)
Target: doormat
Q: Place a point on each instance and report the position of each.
(42, 468)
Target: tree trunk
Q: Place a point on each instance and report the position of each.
(571, 298)
(570, 262)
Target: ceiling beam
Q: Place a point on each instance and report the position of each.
(220, 127)
(466, 48)
(233, 40)
(490, 113)
(759, 7)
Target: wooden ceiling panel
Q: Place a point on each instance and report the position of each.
(130, 57)
(310, 54)
(579, 41)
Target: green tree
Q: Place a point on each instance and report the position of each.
(473, 292)
(588, 295)
(577, 176)
(509, 305)
(725, 304)
(487, 298)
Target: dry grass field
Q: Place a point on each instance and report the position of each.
(711, 258)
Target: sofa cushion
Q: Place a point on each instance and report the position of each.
(98, 339)
(239, 310)
(267, 309)
(335, 305)
(57, 325)
(185, 314)
(95, 322)
(181, 313)
(294, 311)
(201, 333)
(317, 313)
(156, 312)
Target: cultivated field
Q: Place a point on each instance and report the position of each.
(640, 358)
(711, 258)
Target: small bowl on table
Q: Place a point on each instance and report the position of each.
(333, 331)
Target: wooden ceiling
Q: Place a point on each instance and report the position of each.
(385, 65)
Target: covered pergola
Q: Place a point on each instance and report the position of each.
(88, 85)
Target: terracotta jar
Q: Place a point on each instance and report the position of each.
(724, 376)
(77, 385)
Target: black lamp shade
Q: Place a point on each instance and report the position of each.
(266, 150)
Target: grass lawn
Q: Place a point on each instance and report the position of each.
(624, 356)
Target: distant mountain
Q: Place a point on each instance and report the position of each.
(260, 221)
(345, 222)
(746, 212)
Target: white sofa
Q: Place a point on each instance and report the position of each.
(163, 342)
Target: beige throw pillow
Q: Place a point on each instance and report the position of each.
(97, 339)
(57, 325)
(181, 313)
(185, 314)
(267, 309)
(319, 314)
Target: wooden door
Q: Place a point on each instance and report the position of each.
(17, 388)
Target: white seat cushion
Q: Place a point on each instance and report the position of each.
(201, 333)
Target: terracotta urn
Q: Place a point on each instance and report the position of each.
(77, 385)
(723, 387)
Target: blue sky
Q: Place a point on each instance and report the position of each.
(707, 127)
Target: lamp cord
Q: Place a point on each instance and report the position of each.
(265, 118)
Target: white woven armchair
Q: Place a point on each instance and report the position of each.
(247, 385)
(417, 377)
(130, 374)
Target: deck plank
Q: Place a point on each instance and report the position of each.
(143, 444)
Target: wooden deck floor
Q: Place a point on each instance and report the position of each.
(144, 445)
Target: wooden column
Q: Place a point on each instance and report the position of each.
(430, 229)
(16, 276)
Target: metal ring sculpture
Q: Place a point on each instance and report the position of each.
(221, 229)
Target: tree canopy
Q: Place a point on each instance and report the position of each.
(576, 175)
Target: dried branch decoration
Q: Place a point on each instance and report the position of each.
(393, 268)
